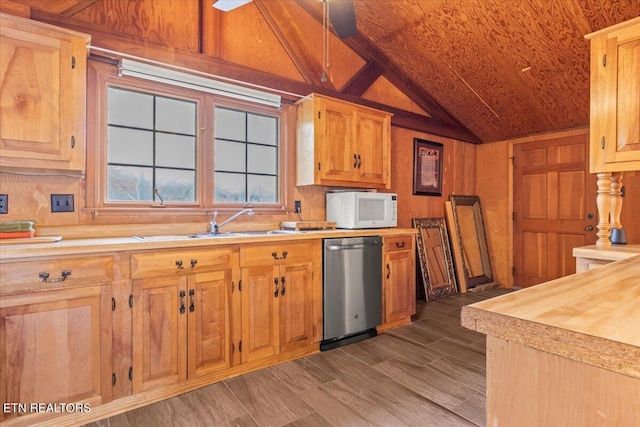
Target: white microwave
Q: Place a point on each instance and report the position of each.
(362, 209)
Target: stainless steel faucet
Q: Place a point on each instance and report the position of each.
(214, 227)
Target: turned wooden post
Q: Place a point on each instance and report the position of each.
(616, 199)
(603, 200)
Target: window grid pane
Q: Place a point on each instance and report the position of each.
(256, 181)
(170, 167)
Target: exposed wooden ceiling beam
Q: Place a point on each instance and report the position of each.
(363, 80)
(291, 37)
(360, 45)
(79, 7)
(287, 87)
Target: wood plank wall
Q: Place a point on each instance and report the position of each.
(242, 38)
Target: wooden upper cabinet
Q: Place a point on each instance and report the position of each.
(615, 98)
(342, 144)
(42, 96)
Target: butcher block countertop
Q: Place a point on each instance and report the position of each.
(158, 242)
(591, 317)
(610, 253)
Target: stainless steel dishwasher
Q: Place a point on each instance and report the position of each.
(352, 290)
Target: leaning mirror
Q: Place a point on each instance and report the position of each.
(467, 218)
(435, 258)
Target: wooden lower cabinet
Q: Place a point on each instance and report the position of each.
(181, 328)
(296, 306)
(198, 319)
(281, 298)
(209, 323)
(277, 309)
(55, 347)
(159, 332)
(260, 331)
(399, 279)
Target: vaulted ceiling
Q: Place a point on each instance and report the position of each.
(479, 70)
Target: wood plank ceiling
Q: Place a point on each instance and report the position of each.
(476, 70)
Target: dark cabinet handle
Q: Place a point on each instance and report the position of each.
(359, 161)
(44, 276)
(182, 307)
(182, 267)
(192, 302)
(284, 289)
(275, 282)
(399, 244)
(388, 271)
(275, 255)
(355, 161)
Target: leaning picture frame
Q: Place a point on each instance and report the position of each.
(427, 168)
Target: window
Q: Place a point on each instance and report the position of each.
(155, 144)
(151, 147)
(246, 159)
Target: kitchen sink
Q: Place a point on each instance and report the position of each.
(167, 238)
(208, 235)
(162, 238)
(264, 233)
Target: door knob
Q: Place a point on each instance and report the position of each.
(588, 228)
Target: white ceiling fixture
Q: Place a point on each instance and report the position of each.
(192, 81)
(343, 17)
(227, 5)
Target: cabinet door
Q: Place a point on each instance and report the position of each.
(260, 296)
(43, 85)
(624, 79)
(296, 306)
(399, 286)
(56, 347)
(209, 322)
(159, 332)
(373, 153)
(615, 99)
(336, 141)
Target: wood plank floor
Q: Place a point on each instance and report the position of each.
(428, 373)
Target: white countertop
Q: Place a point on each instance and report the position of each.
(130, 243)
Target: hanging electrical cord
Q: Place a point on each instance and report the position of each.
(325, 42)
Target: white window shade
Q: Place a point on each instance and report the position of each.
(186, 80)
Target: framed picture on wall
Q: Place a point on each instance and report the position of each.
(427, 168)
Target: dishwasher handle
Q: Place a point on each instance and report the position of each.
(343, 247)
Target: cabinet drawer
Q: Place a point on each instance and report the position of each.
(153, 264)
(54, 273)
(398, 243)
(278, 253)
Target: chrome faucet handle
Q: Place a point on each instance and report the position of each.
(213, 226)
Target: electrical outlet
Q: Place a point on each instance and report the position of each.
(62, 203)
(4, 203)
(297, 206)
